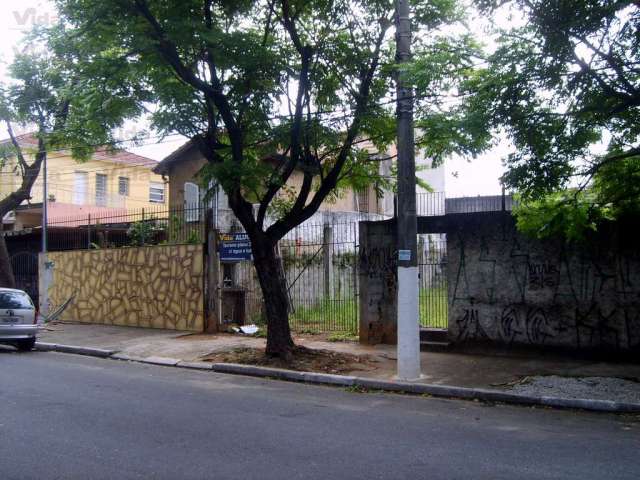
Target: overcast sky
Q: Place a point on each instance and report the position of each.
(463, 178)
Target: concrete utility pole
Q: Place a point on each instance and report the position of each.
(45, 216)
(408, 327)
(44, 267)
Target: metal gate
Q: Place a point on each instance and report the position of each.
(320, 264)
(25, 271)
(432, 270)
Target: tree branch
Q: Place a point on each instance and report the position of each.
(295, 217)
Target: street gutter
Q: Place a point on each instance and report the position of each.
(444, 391)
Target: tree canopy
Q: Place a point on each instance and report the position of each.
(306, 84)
(565, 88)
(46, 96)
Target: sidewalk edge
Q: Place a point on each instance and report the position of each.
(443, 391)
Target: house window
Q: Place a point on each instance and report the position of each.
(156, 192)
(101, 190)
(362, 197)
(191, 202)
(123, 186)
(80, 188)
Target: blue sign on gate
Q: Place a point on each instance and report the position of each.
(234, 247)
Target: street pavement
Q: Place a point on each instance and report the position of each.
(72, 417)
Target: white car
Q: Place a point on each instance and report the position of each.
(18, 319)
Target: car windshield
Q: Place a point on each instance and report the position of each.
(15, 300)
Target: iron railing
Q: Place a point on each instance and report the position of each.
(126, 228)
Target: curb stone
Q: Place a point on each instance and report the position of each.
(195, 365)
(89, 351)
(126, 358)
(282, 374)
(444, 391)
(163, 361)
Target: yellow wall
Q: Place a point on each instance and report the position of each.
(61, 175)
(156, 287)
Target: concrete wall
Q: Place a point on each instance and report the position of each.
(377, 272)
(507, 288)
(156, 287)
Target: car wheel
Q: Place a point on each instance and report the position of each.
(26, 345)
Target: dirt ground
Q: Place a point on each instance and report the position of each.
(303, 359)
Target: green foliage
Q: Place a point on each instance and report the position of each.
(562, 214)
(179, 231)
(141, 233)
(572, 214)
(193, 238)
(565, 88)
(285, 99)
(224, 76)
(342, 337)
(448, 119)
(617, 187)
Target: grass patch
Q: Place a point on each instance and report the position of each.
(434, 307)
(326, 315)
(339, 317)
(342, 337)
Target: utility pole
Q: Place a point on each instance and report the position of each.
(44, 267)
(44, 205)
(408, 328)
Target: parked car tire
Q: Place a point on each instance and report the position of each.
(26, 345)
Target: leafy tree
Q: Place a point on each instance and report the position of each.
(33, 98)
(45, 96)
(264, 88)
(565, 87)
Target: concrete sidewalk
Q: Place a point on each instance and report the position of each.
(552, 375)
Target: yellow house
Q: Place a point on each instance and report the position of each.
(107, 184)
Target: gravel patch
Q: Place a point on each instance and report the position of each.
(597, 388)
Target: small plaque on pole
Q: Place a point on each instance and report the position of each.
(404, 255)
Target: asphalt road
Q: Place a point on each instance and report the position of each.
(72, 417)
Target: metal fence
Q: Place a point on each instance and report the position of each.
(25, 270)
(435, 203)
(432, 270)
(320, 265)
(430, 204)
(320, 262)
(138, 227)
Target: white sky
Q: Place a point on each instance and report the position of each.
(463, 178)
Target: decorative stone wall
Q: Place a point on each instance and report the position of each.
(510, 289)
(155, 287)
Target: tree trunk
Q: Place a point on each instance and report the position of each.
(268, 266)
(7, 280)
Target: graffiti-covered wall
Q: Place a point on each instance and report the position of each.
(507, 288)
(157, 287)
